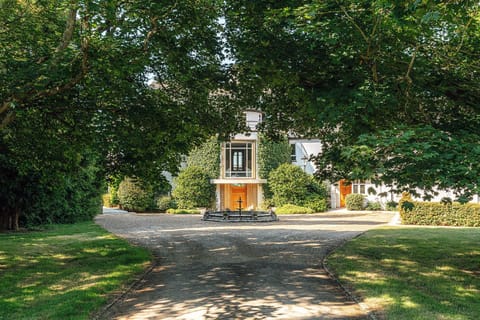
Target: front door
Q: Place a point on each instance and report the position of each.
(238, 193)
(344, 191)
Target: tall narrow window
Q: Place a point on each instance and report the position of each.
(238, 159)
(293, 153)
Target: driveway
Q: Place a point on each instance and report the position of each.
(211, 270)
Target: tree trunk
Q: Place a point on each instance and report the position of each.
(9, 219)
(16, 216)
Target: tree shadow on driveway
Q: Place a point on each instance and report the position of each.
(236, 271)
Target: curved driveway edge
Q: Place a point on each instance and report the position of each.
(210, 270)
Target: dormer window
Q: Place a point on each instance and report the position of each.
(238, 159)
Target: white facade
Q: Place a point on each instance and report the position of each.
(302, 151)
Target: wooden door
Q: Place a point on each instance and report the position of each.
(237, 193)
(344, 191)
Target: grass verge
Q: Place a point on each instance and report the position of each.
(66, 272)
(414, 273)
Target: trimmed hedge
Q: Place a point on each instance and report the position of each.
(355, 201)
(438, 214)
(183, 211)
(293, 209)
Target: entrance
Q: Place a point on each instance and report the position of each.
(238, 192)
(344, 191)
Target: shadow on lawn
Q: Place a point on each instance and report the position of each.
(416, 273)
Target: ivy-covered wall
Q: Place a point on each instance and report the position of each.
(206, 156)
(271, 154)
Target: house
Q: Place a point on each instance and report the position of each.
(240, 186)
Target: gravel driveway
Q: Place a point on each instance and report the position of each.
(211, 270)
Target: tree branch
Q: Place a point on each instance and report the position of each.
(364, 36)
(410, 65)
(68, 33)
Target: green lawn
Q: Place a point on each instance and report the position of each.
(66, 272)
(414, 273)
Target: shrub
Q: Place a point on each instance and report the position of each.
(355, 201)
(193, 188)
(183, 211)
(166, 202)
(134, 195)
(267, 204)
(289, 185)
(114, 201)
(316, 202)
(64, 198)
(106, 200)
(391, 206)
(439, 214)
(373, 206)
(293, 209)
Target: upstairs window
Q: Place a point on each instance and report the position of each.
(293, 153)
(360, 186)
(238, 159)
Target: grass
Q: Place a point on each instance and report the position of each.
(66, 272)
(414, 273)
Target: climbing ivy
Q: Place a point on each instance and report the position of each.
(206, 156)
(271, 154)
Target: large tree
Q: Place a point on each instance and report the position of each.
(75, 79)
(391, 87)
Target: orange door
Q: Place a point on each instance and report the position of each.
(238, 193)
(344, 191)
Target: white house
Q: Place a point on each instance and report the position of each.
(239, 184)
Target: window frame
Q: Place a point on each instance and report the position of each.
(239, 159)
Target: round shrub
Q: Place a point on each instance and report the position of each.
(293, 209)
(289, 185)
(166, 202)
(193, 188)
(133, 195)
(355, 201)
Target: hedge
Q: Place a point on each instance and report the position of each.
(293, 209)
(439, 214)
(183, 211)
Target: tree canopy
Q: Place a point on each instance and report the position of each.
(76, 79)
(391, 87)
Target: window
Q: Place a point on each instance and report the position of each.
(238, 159)
(293, 153)
(359, 186)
